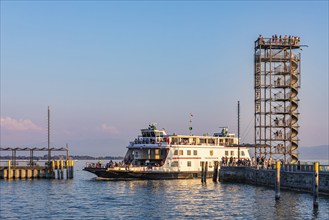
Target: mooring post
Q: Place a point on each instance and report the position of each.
(202, 171)
(67, 169)
(205, 171)
(277, 182)
(62, 169)
(215, 174)
(9, 169)
(72, 168)
(316, 185)
(52, 176)
(57, 167)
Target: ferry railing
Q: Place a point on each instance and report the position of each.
(132, 168)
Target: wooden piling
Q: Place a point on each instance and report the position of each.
(277, 182)
(52, 171)
(215, 173)
(316, 185)
(9, 170)
(28, 173)
(16, 174)
(57, 168)
(23, 174)
(72, 168)
(67, 169)
(202, 171)
(34, 173)
(205, 171)
(5, 174)
(62, 168)
(42, 173)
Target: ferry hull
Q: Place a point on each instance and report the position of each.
(103, 173)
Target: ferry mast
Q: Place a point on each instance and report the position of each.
(276, 82)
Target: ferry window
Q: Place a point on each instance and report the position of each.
(188, 152)
(202, 141)
(136, 153)
(242, 153)
(195, 152)
(185, 140)
(211, 141)
(226, 153)
(232, 153)
(211, 152)
(189, 163)
(174, 164)
(176, 152)
(180, 152)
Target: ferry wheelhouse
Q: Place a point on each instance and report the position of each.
(156, 155)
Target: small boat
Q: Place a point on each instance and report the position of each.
(155, 155)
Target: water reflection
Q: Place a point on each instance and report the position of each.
(84, 197)
(316, 213)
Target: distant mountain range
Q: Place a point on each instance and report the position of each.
(314, 153)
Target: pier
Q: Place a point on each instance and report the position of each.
(36, 169)
(307, 178)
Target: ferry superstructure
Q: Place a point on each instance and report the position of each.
(156, 155)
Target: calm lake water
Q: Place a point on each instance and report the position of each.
(84, 197)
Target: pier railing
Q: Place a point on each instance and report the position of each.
(25, 163)
(284, 167)
(302, 168)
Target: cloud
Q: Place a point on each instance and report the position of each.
(13, 124)
(109, 129)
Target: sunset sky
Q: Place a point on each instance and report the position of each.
(109, 68)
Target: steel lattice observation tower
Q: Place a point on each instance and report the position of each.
(276, 82)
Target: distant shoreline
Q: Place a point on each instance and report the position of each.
(64, 157)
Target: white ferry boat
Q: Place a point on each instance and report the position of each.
(156, 155)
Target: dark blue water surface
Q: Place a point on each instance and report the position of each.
(84, 197)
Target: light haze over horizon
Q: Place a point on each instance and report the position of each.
(109, 68)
